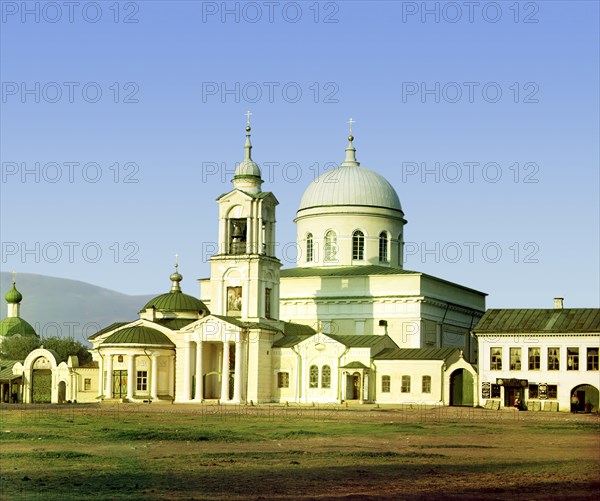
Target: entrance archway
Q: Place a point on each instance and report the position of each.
(461, 388)
(587, 394)
(62, 392)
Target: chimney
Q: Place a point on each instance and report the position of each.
(558, 303)
(383, 327)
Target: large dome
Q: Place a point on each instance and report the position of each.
(350, 185)
(176, 301)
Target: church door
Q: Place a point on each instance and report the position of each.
(119, 384)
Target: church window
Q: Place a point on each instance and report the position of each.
(283, 380)
(534, 359)
(426, 384)
(314, 377)
(309, 248)
(386, 384)
(553, 359)
(142, 380)
(515, 359)
(326, 377)
(383, 247)
(330, 246)
(267, 302)
(572, 359)
(405, 384)
(358, 245)
(495, 359)
(592, 359)
(87, 384)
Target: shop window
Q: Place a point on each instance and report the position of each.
(533, 391)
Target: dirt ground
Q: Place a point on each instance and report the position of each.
(332, 453)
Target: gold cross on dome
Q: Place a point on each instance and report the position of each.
(248, 114)
(351, 121)
(176, 260)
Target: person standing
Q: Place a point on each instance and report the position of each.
(574, 403)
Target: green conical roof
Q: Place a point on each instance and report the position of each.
(13, 326)
(13, 296)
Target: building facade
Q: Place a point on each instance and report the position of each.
(540, 356)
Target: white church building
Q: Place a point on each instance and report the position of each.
(347, 324)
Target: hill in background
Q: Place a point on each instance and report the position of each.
(69, 308)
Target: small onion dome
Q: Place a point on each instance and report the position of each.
(13, 296)
(16, 326)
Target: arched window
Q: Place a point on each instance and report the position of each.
(330, 246)
(383, 247)
(358, 245)
(309, 248)
(326, 377)
(314, 377)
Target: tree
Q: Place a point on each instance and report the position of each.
(18, 347)
(64, 347)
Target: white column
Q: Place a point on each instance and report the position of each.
(101, 376)
(154, 376)
(131, 379)
(109, 377)
(172, 376)
(199, 396)
(225, 373)
(187, 383)
(237, 378)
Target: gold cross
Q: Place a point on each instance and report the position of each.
(248, 116)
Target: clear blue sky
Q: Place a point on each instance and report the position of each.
(483, 117)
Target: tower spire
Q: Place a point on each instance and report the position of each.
(350, 160)
(248, 145)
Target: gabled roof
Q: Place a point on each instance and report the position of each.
(343, 271)
(6, 366)
(174, 323)
(111, 327)
(416, 353)
(359, 341)
(247, 325)
(565, 320)
(289, 341)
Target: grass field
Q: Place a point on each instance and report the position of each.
(131, 452)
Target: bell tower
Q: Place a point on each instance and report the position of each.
(245, 272)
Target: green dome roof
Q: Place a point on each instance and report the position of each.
(13, 296)
(176, 301)
(13, 326)
(138, 335)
